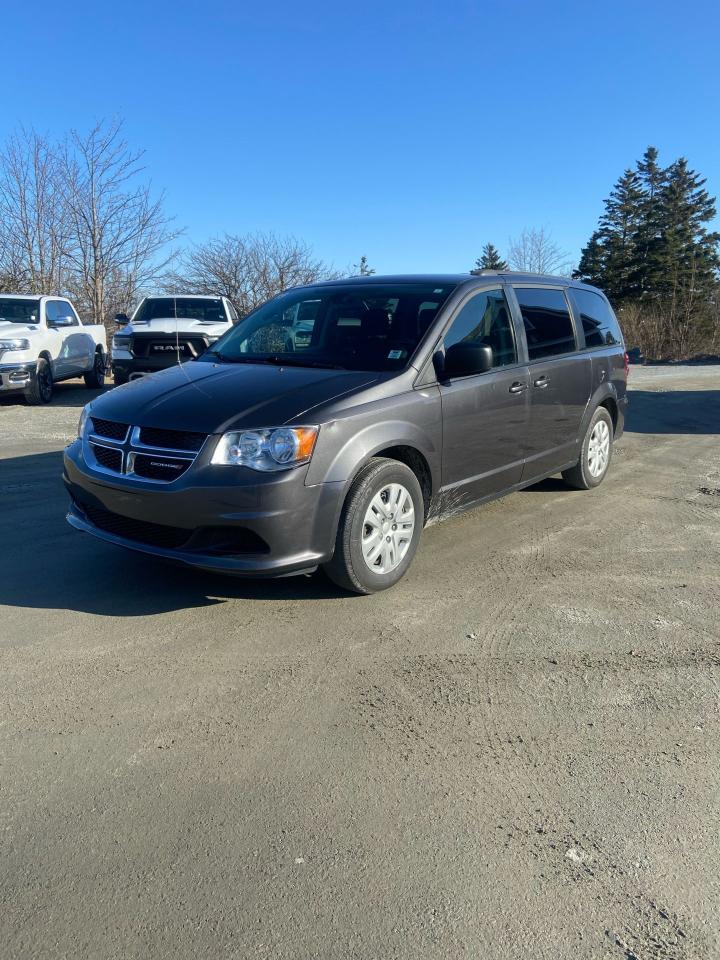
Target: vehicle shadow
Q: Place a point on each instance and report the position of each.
(673, 411)
(45, 564)
(660, 412)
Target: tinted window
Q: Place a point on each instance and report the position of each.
(600, 326)
(19, 311)
(548, 326)
(485, 320)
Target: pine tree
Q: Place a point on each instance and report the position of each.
(591, 268)
(618, 229)
(653, 247)
(362, 269)
(649, 261)
(490, 260)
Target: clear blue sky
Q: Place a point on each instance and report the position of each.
(412, 132)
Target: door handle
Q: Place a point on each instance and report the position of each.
(542, 382)
(519, 386)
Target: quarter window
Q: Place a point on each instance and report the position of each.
(546, 317)
(598, 321)
(485, 320)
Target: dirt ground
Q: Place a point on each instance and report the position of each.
(513, 754)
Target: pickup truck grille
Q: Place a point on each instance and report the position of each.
(168, 348)
(141, 453)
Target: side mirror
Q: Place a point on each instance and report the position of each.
(62, 322)
(466, 359)
(121, 318)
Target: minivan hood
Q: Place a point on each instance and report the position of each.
(170, 325)
(211, 398)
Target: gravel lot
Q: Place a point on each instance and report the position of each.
(513, 754)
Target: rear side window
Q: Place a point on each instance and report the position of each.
(485, 320)
(546, 317)
(598, 322)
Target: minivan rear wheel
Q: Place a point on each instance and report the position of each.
(595, 453)
(379, 529)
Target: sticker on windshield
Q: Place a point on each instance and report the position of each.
(396, 354)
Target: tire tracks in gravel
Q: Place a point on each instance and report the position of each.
(644, 928)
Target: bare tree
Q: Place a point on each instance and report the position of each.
(248, 269)
(535, 251)
(118, 233)
(33, 214)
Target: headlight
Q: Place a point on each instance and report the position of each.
(121, 343)
(17, 344)
(274, 448)
(85, 413)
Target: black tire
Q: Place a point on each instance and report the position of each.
(120, 378)
(581, 477)
(348, 567)
(95, 378)
(40, 390)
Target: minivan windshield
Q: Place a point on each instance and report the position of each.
(360, 326)
(19, 310)
(205, 309)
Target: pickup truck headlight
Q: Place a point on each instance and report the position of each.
(273, 448)
(19, 343)
(120, 342)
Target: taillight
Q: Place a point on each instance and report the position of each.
(627, 363)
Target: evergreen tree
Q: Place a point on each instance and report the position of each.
(362, 269)
(490, 260)
(688, 252)
(617, 234)
(591, 268)
(648, 262)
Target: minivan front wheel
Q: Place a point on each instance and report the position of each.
(379, 529)
(595, 453)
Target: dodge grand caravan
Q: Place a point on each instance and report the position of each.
(328, 427)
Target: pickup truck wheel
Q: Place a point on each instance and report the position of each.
(379, 529)
(119, 378)
(595, 453)
(95, 378)
(41, 386)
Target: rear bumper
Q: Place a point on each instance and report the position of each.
(16, 376)
(275, 524)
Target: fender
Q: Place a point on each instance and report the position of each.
(605, 391)
(344, 446)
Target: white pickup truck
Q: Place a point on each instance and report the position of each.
(43, 341)
(168, 330)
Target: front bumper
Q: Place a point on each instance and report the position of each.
(16, 376)
(281, 525)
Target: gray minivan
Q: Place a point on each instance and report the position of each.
(328, 426)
